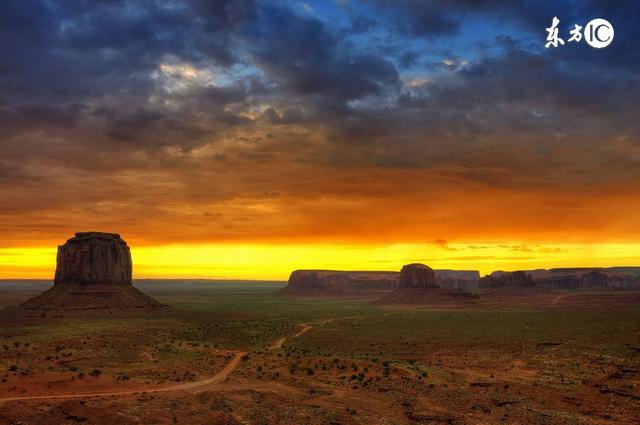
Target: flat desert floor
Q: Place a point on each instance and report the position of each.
(241, 353)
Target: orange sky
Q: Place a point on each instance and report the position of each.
(251, 261)
(248, 139)
(366, 219)
(180, 225)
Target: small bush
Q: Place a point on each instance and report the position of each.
(95, 373)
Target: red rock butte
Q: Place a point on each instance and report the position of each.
(93, 274)
(376, 283)
(417, 276)
(418, 285)
(91, 258)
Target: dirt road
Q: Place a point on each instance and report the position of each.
(280, 341)
(205, 383)
(215, 379)
(304, 327)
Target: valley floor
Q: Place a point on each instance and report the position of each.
(242, 353)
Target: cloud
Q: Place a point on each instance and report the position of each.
(394, 121)
(308, 59)
(441, 243)
(421, 18)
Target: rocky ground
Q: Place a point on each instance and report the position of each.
(565, 358)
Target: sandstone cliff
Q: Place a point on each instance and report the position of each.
(417, 276)
(93, 274)
(374, 283)
(93, 257)
(565, 278)
(507, 280)
(457, 279)
(331, 282)
(418, 286)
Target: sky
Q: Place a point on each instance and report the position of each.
(248, 138)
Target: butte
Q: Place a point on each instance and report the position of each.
(418, 285)
(93, 275)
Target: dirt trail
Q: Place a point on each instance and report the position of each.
(305, 327)
(280, 341)
(215, 379)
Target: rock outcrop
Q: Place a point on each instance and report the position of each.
(507, 280)
(457, 279)
(93, 274)
(341, 283)
(564, 278)
(417, 276)
(585, 278)
(418, 285)
(92, 257)
(369, 283)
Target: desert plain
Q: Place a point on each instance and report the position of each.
(246, 352)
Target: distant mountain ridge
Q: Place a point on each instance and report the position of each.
(340, 282)
(565, 278)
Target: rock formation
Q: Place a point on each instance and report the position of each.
(418, 286)
(341, 283)
(93, 257)
(507, 280)
(417, 276)
(564, 278)
(457, 279)
(368, 283)
(456, 283)
(93, 274)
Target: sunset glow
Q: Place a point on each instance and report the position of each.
(247, 139)
(251, 261)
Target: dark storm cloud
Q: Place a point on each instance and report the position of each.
(85, 48)
(443, 18)
(309, 59)
(421, 18)
(201, 102)
(537, 80)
